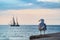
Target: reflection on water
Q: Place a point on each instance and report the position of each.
(24, 31)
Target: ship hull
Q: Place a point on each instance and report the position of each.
(14, 25)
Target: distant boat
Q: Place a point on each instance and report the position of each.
(14, 23)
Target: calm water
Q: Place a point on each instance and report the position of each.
(26, 31)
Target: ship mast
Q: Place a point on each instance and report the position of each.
(17, 21)
(14, 21)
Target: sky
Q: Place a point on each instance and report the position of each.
(29, 12)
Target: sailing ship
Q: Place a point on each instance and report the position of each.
(14, 23)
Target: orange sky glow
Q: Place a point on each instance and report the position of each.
(31, 16)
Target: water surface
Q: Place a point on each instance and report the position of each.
(25, 31)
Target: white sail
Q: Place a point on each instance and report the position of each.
(14, 22)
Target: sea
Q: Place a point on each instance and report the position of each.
(25, 31)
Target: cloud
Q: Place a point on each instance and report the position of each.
(26, 4)
(49, 5)
(13, 4)
(49, 0)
